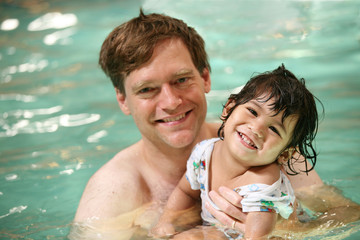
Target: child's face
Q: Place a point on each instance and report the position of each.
(254, 136)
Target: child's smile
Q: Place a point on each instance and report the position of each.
(247, 141)
(255, 135)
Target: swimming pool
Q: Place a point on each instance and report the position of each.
(59, 120)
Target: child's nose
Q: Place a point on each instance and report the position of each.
(257, 127)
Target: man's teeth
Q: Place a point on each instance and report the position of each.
(174, 118)
(247, 140)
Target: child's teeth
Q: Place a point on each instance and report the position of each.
(247, 140)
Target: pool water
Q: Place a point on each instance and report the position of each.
(59, 120)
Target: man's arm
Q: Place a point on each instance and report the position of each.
(303, 179)
(111, 203)
(111, 191)
(329, 203)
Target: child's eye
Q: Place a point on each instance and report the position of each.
(253, 112)
(274, 130)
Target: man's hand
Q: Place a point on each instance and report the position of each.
(229, 213)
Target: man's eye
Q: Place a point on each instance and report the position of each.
(274, 130)
(253, 112)
(182, 80)
(145, 90)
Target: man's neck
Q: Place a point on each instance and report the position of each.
(170, 162)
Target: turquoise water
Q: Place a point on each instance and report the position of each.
(59, 120)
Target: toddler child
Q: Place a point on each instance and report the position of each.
(266, 125)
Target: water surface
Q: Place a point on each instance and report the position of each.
(59, 120)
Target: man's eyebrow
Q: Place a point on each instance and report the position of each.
(183, 72)
(139, 85)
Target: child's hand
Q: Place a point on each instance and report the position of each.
(162, 230)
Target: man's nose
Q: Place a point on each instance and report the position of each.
(170, 99)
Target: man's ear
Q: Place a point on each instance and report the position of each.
(286, 155)
(121, 99)
(207, 80)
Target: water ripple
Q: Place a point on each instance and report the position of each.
(96, 136)
(17, 97)
(53, 20)
(33, 112)
(13, 210)
(19, 121)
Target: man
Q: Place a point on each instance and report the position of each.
(159, 68)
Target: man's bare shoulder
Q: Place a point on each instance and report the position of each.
(211, 129)
(116, 188)
(123, 162)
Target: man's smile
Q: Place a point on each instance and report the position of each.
(173, 118)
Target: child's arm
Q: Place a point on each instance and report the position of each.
(182, 198)
(260, 224)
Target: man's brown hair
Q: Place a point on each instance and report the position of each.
(131, 44)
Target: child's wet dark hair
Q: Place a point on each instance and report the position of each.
(291, 96)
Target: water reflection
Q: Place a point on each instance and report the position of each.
(13, 210)
(18, 121)
(53, 20)
(33, 65)
(17, 97)
(61, 37)
(33, 112)
(9, 24)
(96, 136)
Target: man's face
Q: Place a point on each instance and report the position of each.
(166, 96)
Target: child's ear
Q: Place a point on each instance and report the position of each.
(230, 103)
(286, 155)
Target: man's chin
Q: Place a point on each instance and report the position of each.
(181, 140)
